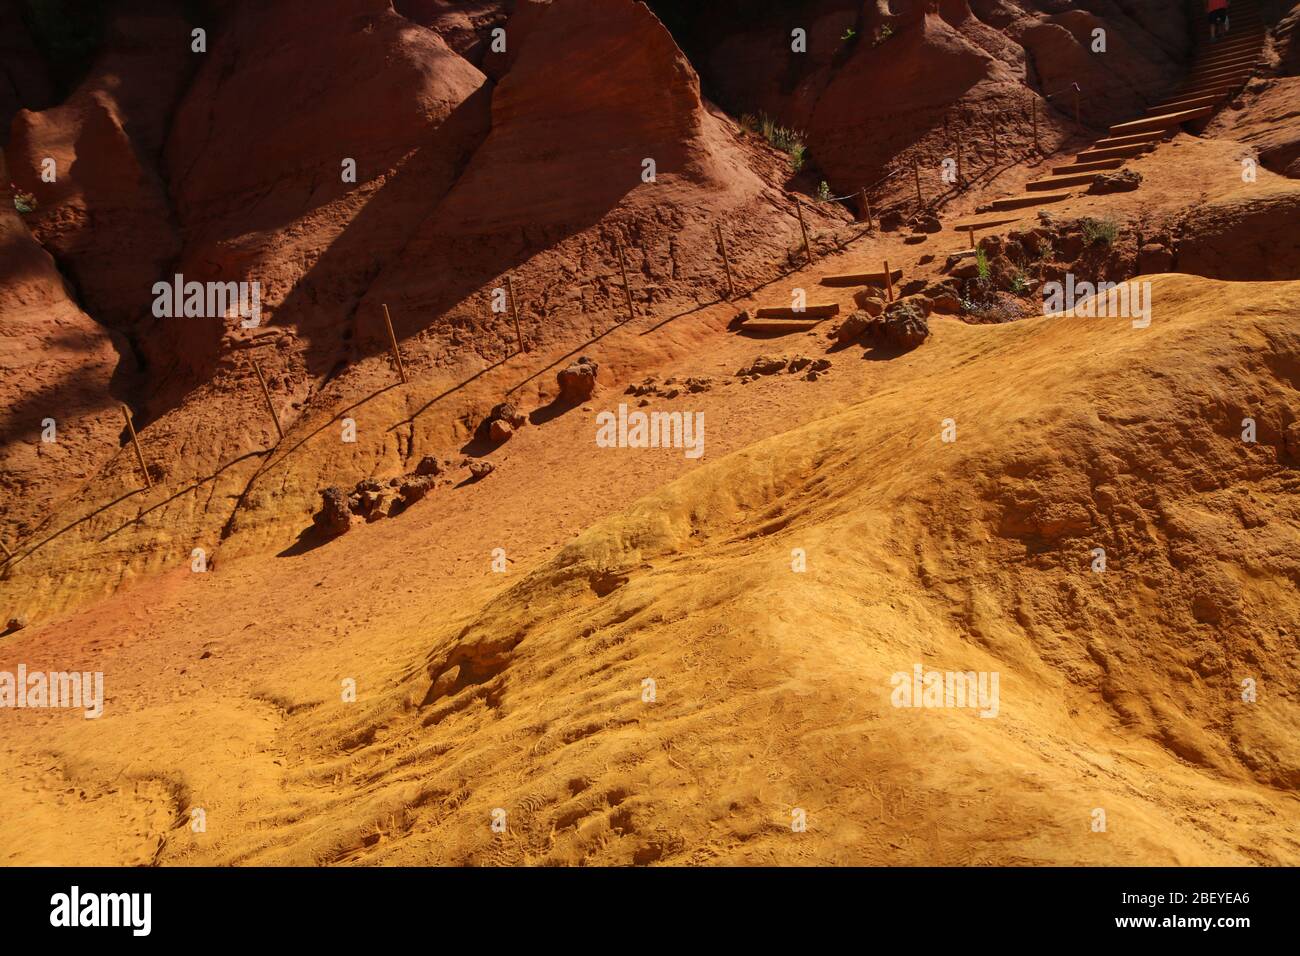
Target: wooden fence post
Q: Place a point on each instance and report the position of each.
(889, 283)
(970, 232)
(139, 452)
(627, 288)
(514, 308)
(1077, 120)
(8, 554)
(266, 394)
(798, 204)
(726, 262)
(392, 340)
(866, 207)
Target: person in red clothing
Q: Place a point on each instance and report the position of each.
(1218, 11)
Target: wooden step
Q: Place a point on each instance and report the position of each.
(1241, 61)
(780, 326)
(1188, 104)
(1216, 86)
(980, 224)
(1137, 139)
(861, 278)
(819, 311)
(1113, 152)
(1239, 33)
(1097, 167)
(1020, 202)
(1251, 41)
(1160, 122)
(1219, 51)
(1227, 88)
(1245, 58)
(1060, 182)
(1227, 74)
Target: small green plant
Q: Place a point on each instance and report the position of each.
(1045, 249)
(883, 34)
(1019, 284)
(1099, 231)
(982, 266)
(798, 153)
(24, 202)
(849, 34)
(824, 191)
(749, 122)
(788, 141)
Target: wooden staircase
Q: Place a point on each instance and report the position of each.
(1218, 71)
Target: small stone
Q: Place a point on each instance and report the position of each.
(16, 623)
(414, 488)
(335, 515)
(428, 466)
(947, 304)
(1120, 181)
(764, 365)
(478, 468)
(500, 430)
(1154, 258)
(506, 412)
(578, 381)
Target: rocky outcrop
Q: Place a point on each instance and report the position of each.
(59, 421)
(1243, 238)
(106, 215)
(1120, 181)
(578, 381)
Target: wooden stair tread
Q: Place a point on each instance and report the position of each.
(1098, 166)
(1208, 100)
(1136, 139)
(816, 311)
(1034, 199)
(1058, 181)
(861, 278)
(1159, 122)
(977, 225)
(780, 325)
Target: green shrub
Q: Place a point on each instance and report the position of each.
(1099, 230)
(824, 191)
(786, 140)
(24, 202)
